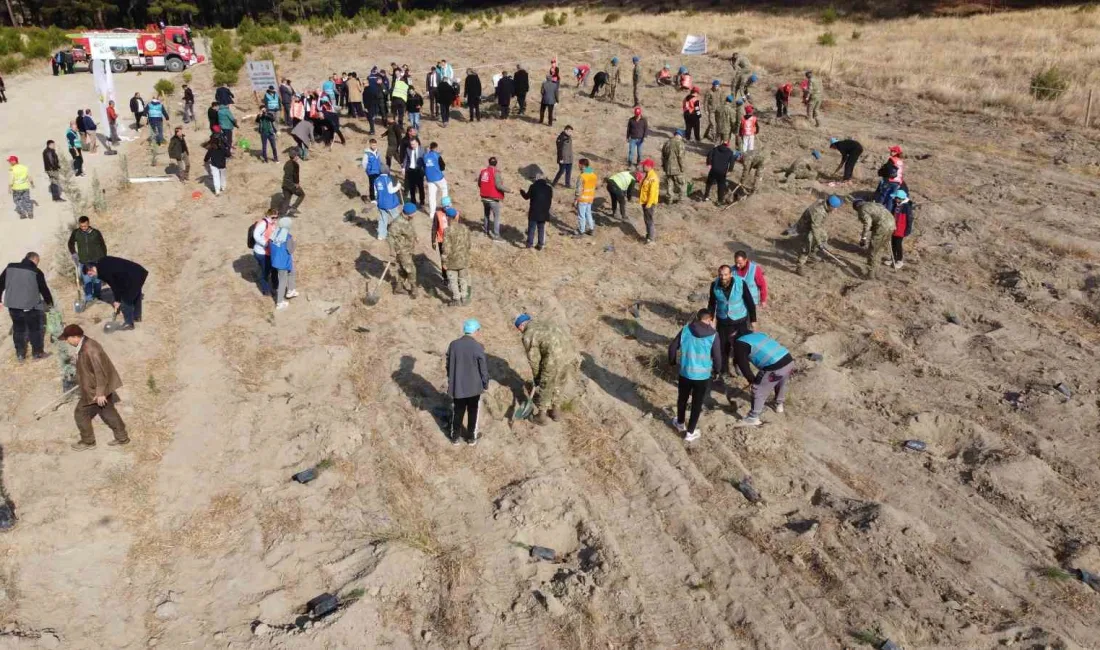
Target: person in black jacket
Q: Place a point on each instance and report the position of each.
(212, 115)
(506, 89)
(467, 379)
(332, 120)
(126, 279)
(445, 94)
(541, 196)
(24, 292)
(223, 96)
(86, 245)
(137, 107)
(721, 161)
(52, 165)
(522, 83)
(850, 151)
(188, 104)
(471, 90)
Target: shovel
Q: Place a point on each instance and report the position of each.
(830, 255)
(79, 305)
(524, 411)
(113, 324)
(372, 296)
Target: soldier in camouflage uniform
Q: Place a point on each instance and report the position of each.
(742, 70)
(753, 163)
(402, 237)
(811, 228)
(878, 226)
(672, 162)
(548, 353)
(614, 78)
(724, 118)
(456, 258)
(637, 80)
(817, 95)
(711, 101)
(801, 169)
(738, 116)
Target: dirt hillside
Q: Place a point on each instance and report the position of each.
(195, 536)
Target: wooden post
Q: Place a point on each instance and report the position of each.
(1088, 111)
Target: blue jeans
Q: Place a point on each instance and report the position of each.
(584, 216)
(264, 262)
(564, 169)
(414, 120)
(264, 140)
(385, 218)
(91, 287)
(634, 148)
(157, 126)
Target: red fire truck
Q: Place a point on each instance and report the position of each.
(170, 48)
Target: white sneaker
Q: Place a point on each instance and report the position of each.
(292, 294)
(748, 421)
(778, 408)
(691, 436)
(679, 426)
(283, 305)
(899, 265)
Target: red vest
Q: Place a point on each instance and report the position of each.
(487, 184)
(900, 165)
(691, 105)
(748, 125)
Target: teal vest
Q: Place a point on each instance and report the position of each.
(765, 350)
(695, 359)
(750, 279)
(732, 307)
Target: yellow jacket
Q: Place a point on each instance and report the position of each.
(651, 190)
(20, 177)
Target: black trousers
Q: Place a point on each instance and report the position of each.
(696, 389)
(26, 325)
(532, 227)
(895, 246)
(374, 108)
(596, 86)
(78, 161)
(131, 309)
(370, 178)
(719, 179)
(137, 120)
(505, 108)
(727, 332)
(414, 184)
(780, 108)
(475, 109)
(521, 99)
(355, 109)
(691, 125)
(468, 407)
(399, 111)
(618, 199)
(543, 110)
(850, 165)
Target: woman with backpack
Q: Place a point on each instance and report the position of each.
(903, 220)
(281, 253)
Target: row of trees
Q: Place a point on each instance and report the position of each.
(104, 14)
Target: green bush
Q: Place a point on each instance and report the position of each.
(550, 19)
(11, 42)
(187, 77)
(225, 78)
(499, 18)
(561, 18)
(459, 25)
(368, 19)
(612, 17)
(11, 63)
(828, 39)
(829, 16)
(165, 88)
(1049, 84)
(296, 54)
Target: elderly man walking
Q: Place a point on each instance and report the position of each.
(99, 382)
(467, 379)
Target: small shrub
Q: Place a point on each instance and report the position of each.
(828, 39)
(578, 11)
(296, 54)
(225, 77)
(612, 17)
(550, 19)
(165, 88)
(1087, 8)
(856, 35)
(459, 25)
(1049, 84)
(561, 18)
(740, 31)
(829, 16)
(10, 63)
(734, 43)
(499, 18)
(186, 77)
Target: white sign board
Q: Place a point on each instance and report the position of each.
(261, 74)
(695, 44)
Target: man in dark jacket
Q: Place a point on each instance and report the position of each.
(522, 82)
(394, 137)
(850, 151)
(733, 307)
(637, 128)
(445, 95)
(178, 151)
(24, 292)
(471, 90)
(292, 183)
(467, 379)
(549, 100)
(286, 98)
(720, 160)
(99, 382)
(695, 351)
(223, 96)
(126, 279)
(506, 89)
(565, 156)
(52, 165)
(137, 107)
(374, 96)
(332, 119)
(188, 104)
(541, 196)
(86, 245)
(212, 115)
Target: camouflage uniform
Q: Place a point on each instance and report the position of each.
(402, 237)
(878, 225)
(711, 101)
(817, 95)
(724, 117)
(637, 80)
(548, 353)
(802, 170)
(672, 162)
(614, 77)
(742, 70)
(456, 259)
(753, 161)
(811, 227)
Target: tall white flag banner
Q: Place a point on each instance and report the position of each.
(695, 44)
(104, 86)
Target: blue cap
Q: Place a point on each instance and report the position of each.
(470, 326)
(752, 78)
(636, 59)
(446, 202)
(833, 140)
(816, 154)
(450, 212)
(409, 208)
(576, 71)
(716, 83)
(835, 201)
(521, 319)
(683, 70)
(729, 98)
(737, 155)
(680, 132)
(740, 101)
(901, 194)
(614, 59)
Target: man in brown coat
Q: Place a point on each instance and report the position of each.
(98, 382)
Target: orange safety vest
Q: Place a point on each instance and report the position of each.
(298, 111)
(748, 125)
(588, 188)
(900, 165)
(441, 224)
(691, 105)
(685, 81)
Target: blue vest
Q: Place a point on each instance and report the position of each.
(155, 110)
(695, 359)
(280, 254)
(731, 307)
(750, 279)
(374, 162)
(431, 167)
(271, 100)
(386, 199)
(765, 350)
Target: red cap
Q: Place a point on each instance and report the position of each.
(895, 150)
(647, 163)
(695, 89)
(13, 159)
(637, 110)
(748, 110)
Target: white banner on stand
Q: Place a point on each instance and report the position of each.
(695, 44)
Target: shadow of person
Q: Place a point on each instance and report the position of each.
(621, 388)
(667, 311)
(501, 372)
(422, 394)
(7, 507)
(369, 266)
(349, 189)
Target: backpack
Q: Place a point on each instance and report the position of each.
(251, 235)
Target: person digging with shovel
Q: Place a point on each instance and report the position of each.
(775, 366)
(545, 345)
(126, 279)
